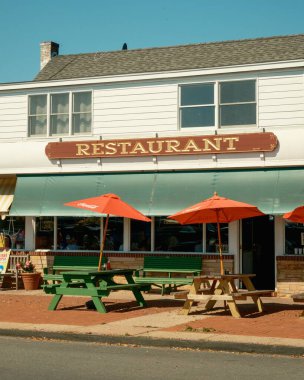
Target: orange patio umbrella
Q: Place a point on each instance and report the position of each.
(109, 204)
(216, 210)
(297, 215)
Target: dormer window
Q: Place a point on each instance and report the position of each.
(60, 114)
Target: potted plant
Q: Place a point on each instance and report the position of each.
(30, 278)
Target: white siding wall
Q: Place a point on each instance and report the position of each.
(145, 108)
(13, 116)
(135, 109)
(281, 101)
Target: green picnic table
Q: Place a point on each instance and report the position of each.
(94, 284)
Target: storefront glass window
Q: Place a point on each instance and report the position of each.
(140, 236)
(12, 231)
(294, 238)
(44, 232)
(114, 240)
(75, 233)
(172, 236)
(212, 237)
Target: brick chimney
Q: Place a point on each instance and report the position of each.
(48, 50)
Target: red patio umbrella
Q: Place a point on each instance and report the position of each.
(297, 215)
(216, 210)
(109, 204)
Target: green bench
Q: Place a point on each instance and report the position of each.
(173, 271)
(70, 263)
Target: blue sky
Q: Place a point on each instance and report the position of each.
(82, 26)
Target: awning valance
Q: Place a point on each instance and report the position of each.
(273, 191)
(7, 188)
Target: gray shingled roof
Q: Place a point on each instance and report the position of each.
(187, 57)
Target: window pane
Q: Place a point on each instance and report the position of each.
(59, 124)
(82, 123)
(235, 92)
(140, 236)
(82, 102)
(197, 117)
(37, 125)
(293, 238)
(198, 94)
(75, 233)
(60, 103)
(240, 114)
(171, 236)
(44, 232)
(212, 237)
(12, 231)
(114, 239)
(38, 105)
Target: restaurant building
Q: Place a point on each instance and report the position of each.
(163, 128)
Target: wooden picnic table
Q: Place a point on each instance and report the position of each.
(223, 288)
(95, 284)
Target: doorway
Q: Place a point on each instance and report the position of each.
(258, 250)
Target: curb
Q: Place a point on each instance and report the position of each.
(250, 348)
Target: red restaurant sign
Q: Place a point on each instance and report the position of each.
(163, 146)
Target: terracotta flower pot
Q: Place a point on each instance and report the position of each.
(31, 281)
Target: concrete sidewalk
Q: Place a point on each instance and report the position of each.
(279, 330)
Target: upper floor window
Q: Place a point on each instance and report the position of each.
(82, 110)
(237, 103)
(38, 115)
(197, 105)
(60, 114)
(201, 107)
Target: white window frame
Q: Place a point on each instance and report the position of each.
(29, 115)
(72, 113)
(49, 114)
(180, 107)
(217, 104)
(238, 103)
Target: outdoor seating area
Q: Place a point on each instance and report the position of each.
(86, 275)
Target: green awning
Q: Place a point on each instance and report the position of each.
(274, 191)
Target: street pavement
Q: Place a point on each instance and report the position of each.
(279, 330)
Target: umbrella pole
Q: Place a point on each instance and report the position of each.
(220, 244)
(103, 243)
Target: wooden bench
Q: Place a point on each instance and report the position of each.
(12, 277)
(70, 263)
(224, 297)
(167, 267)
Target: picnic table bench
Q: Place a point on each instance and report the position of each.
(173, 271)
(223, 288)
(94, 284)
(69, 263)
